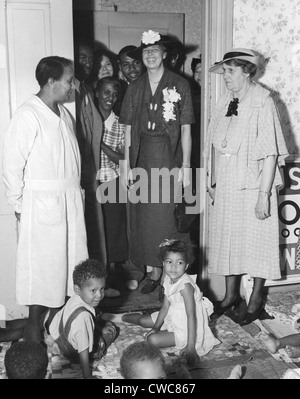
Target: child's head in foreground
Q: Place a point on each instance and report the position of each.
(142, 360)
(26, 360)
(89, 278)
(176, 256)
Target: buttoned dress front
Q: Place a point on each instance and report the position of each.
(239, 242)
(155, 146)
(41, 172)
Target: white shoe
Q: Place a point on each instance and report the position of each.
(111, 293)
(132, 285)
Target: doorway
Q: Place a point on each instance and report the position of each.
(115, 30)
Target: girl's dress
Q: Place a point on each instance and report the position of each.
(176, 318)
(155, 144)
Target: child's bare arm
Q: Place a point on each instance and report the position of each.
(85, 364)
(162, 314)
(161, 317)
(190, 308)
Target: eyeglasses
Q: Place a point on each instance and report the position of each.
(84, 59)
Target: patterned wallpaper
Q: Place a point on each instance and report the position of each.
(191, 9)
(272, 27)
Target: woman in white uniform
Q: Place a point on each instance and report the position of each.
(41, 173)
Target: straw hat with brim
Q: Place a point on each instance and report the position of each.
(160, 39)
(237, 53)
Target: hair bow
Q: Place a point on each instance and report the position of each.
(166, 242)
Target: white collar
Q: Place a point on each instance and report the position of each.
(110, 120)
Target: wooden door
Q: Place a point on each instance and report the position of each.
(35, 30)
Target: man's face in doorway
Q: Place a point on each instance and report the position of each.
(131, 69)
(84, 62)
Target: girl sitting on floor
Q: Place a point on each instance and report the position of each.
(184, 316)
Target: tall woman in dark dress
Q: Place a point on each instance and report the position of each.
(157, 111)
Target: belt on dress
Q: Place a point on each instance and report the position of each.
(49, 185)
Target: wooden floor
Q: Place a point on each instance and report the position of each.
(130, 301)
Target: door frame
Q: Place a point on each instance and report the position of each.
(217, 38)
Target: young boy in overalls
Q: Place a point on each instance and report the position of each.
(76, 330)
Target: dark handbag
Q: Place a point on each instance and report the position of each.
(183, 220)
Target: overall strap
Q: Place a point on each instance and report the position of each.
(71, 318)
(62, 341)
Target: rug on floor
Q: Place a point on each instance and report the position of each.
(260, 365)
(238, 346)
(132, 301)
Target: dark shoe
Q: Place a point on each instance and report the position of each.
(250, 317)
(220, 310)
(150, 286)
(264, 315)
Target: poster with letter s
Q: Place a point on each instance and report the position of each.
(289, 220)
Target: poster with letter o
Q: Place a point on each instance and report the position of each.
(289, 219)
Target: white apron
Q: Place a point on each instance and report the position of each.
(41, 171)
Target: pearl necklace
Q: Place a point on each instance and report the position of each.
(156, 83)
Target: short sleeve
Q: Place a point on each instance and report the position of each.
(270, 140)
(186, 104)
(180, 284)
